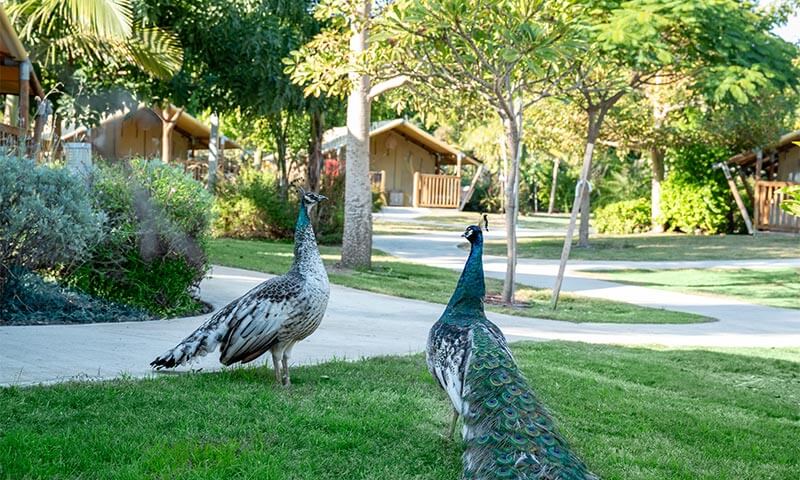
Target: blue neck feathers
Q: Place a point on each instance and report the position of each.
(467, 300)
(302, 220)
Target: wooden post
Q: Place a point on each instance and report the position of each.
(383, 187)
(213, 152)
(24, 95)
(736, 196)
(415, 195)
(42, 113)
(471, 188)
(168, 123)
(459, 157)
(757, 175)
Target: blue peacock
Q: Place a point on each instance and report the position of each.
(508, 433)
(273, 316)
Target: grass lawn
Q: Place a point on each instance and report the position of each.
(776, 287)
(457, 221)
(660, 247)
(393, 276)
(630, 413)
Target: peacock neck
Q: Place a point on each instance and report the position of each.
(306, 253)
(467, 300)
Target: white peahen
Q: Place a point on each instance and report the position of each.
(273, 316)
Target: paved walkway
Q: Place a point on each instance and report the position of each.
(358, 324)
(441, 250)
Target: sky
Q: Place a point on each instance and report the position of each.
(791, 31)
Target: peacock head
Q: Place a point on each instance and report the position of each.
(309, 199)
(474, 235)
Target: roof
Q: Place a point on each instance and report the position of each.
(186, 125)
(337, 138)
(11, 48)
(783, 143)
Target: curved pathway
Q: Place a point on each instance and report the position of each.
(358, 324)
(735, 316)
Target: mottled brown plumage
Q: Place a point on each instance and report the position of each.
(273, 316)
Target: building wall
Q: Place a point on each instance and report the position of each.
(399, 158)
(789, 165)
(136, 136)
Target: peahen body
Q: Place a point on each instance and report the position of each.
(508, 433)
(273, 316)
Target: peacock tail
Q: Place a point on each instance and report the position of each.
(508, 432)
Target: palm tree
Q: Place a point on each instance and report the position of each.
(98, 32)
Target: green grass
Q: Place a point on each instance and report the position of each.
(776, 287)
(393, 276)
(660, 247)
(634, 414)
(452, 221)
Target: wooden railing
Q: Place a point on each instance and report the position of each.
(768, 213)
(438, 191)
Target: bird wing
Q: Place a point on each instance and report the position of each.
(258, 317)
(448, 357)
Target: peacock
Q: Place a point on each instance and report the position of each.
(273, 316)
(508, 433)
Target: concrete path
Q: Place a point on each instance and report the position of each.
(441, 250)
(358, 324)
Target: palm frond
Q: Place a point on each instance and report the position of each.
(156, 51)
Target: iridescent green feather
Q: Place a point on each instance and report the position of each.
(509, 433)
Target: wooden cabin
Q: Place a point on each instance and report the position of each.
(141, 133)
(773, 168)
(409, 166)
(23, 94)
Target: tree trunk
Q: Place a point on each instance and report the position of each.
(213, 152)
(583, 231)
(315, 150)
(513, 135)
(357, 237)
(595, 120)
(552, 205)
(657, 162)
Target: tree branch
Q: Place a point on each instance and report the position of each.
(386, 85)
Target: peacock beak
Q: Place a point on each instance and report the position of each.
(322, 197)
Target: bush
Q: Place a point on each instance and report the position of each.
(46, 217)
(29, 300)
(791, 203)
(153, 255)
(250, 206)
(695, 198)
(626, 217)
(330, 214)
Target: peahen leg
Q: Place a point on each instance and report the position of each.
(276, 363)
(285, 362)
(452, 430)
(287, 382)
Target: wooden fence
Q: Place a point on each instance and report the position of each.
(768, 212)
(437, 191)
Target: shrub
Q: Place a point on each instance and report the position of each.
(791, 203)
(153, 255)
(330, 214)
(250, 206)
(46, 217)
(626, 217)
(695, 197)
(29, 300)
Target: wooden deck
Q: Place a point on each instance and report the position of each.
(768, 212)
(436, 191)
